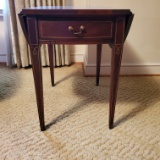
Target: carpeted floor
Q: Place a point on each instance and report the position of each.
(76, 113)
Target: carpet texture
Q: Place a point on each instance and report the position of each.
(76, 115)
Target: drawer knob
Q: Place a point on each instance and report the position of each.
(81, 30)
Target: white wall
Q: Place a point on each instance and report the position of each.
(141, 49)
(142, 46)
(2, 41)
(77, 51)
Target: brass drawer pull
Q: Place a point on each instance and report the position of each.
(81, 30)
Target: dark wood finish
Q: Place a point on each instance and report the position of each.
(59, 29)
(69, 25)
(115, 68)
(117, 50)
(36, 63)
(99, 53)
(51, 62)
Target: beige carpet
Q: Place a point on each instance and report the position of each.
(76, 113)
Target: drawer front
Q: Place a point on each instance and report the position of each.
(75, 29)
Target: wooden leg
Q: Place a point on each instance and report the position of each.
(98, 65)
(37, 74)
(51, 61)
(115, 69)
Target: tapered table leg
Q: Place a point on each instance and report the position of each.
(36, 66)
(37, 74)
(51, 61)
(98, 65)
(115, 69)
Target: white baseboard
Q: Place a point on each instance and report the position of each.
(3, 58)
(126, 69)
(77, 57)
(1, 13)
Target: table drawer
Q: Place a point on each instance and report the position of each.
(75, 29)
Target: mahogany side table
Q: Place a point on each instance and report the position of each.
(69, 25)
